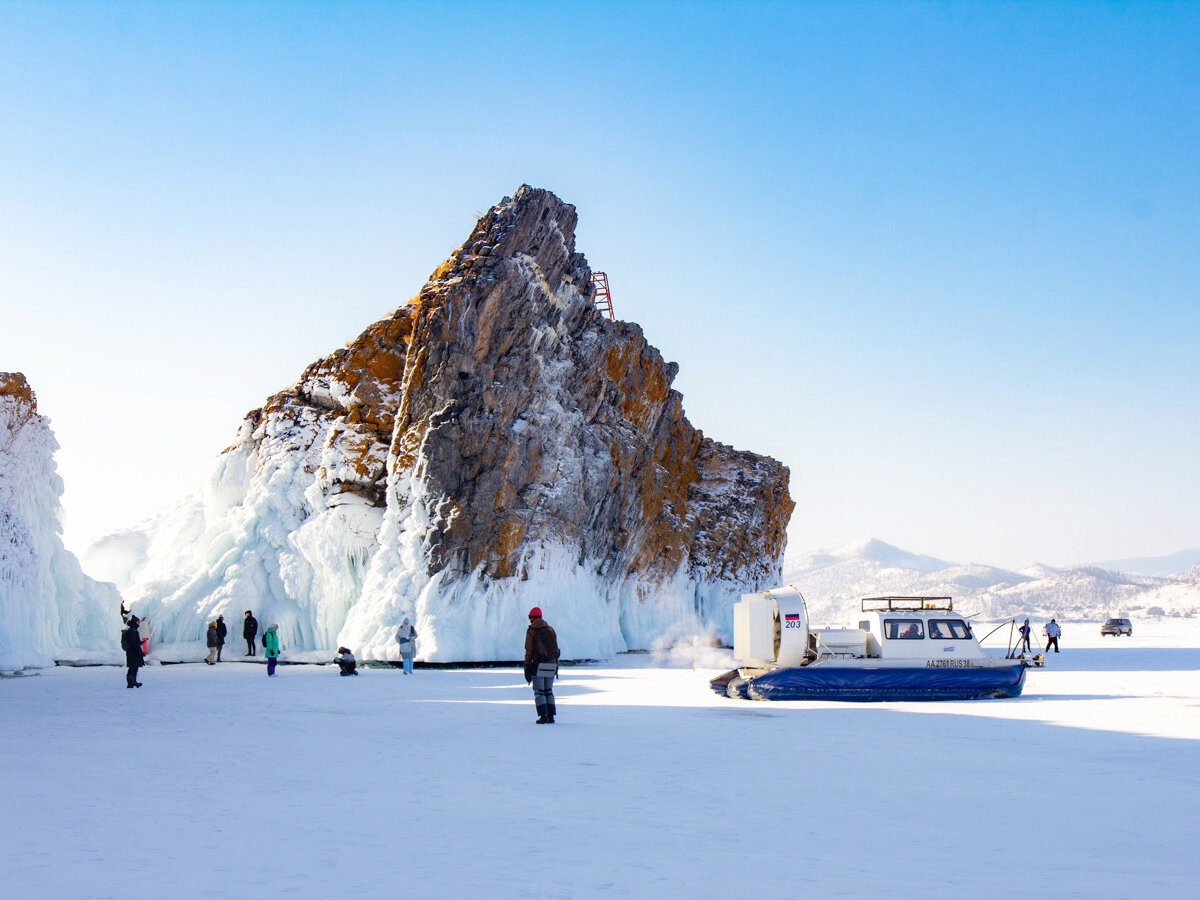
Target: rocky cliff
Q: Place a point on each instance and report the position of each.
(48, 608)
(492, 444)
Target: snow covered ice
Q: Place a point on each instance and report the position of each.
(222, 782)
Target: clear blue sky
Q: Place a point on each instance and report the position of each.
(940, 259)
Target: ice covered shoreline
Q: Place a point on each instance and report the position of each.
(1156, 631)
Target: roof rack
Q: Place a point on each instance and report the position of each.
(877, 603)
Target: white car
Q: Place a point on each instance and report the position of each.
(1117, 627)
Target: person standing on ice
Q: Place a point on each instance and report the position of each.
(541, 664)
(131, 643)
(1052, 633)
(271, 643)
(250, 632)
(222, 631)
(210, 638)
(1024, 631)
(406, 637)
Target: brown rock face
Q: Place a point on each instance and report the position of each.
(544, 421)
(14, 385)
(493, 440)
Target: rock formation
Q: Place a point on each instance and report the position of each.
(48, 608)
(492, 444)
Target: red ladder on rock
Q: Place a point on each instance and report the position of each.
(603, 294)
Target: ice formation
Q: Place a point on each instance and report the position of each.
(49, 610)
(494, 444)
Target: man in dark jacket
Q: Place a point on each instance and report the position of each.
(131, 643)
(249, 632)
(221, 632)
(541, 664)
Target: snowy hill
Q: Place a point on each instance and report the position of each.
(834, 581)
(1159, 566)
(48, 608)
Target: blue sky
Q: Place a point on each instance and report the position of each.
(940, 259)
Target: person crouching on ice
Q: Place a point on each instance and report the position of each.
(541, 664)
(345, 661)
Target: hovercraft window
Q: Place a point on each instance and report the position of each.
(948, 630)
(903, 629)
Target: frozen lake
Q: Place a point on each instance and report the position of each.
(216, 781)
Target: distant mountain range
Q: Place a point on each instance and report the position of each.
(1158, 566)
(834, 581)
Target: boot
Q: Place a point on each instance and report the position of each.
(543, 717)
(550, 714)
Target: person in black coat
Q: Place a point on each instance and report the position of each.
(221, 632)
(250, 632)
(131, 643)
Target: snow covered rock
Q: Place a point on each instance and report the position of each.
(494, 444)
(48, 608)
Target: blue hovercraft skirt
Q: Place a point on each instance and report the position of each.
(871, 685)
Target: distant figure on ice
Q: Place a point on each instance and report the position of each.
(222, 631)
(131, 643)
(406, 637)
(345, 661)
(1052, 633)
(250, 632)
(1024, 632)
(210, 638)
(271, 643)
(541, 664)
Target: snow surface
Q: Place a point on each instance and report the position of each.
(217, 781)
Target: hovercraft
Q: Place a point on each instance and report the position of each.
(904, 648)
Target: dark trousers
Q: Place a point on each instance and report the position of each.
(219, 646)
(131, 676)
(250, 646)
(271, 665)
(1053, 641)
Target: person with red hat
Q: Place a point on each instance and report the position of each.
(541, 664)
